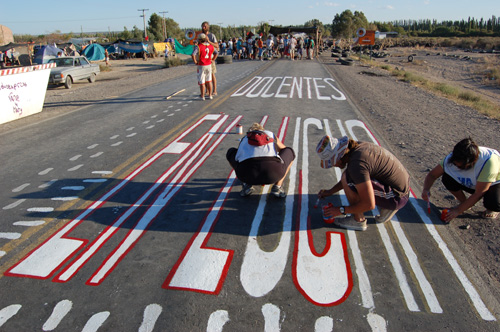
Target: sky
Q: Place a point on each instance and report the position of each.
(38, 17)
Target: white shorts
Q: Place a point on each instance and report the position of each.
(204, 74)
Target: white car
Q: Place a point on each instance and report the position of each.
(72, 68)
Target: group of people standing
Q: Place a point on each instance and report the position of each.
(257, 47)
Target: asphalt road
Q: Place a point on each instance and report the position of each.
(125, 216)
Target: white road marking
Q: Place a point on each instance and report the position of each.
(8, 312)
(171, 114)
(10, 235)
(129, 129)
(45, 171)
(146, 122)
(376, 322)
(93, 146)
(151, 314)
(96, 321)
(323, 324)
(131, 135)
(72, 169)
(271, 317)
(94, 180)
(60, 311)
(114, 137)
(75, 157)
(150, 127)
(47, 184)
(117, 143)
(13, 205)
(102, 172)
(21, 187)
(217, 320)
(41, 209)
(64, 199)
(160, 120)
(76, 188)
(96, 155)
(29, 223)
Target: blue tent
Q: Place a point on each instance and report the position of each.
(94, 52)
(45, 53)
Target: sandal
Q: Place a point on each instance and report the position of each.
(490, 214)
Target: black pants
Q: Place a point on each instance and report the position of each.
(265, 170)
(491, 199)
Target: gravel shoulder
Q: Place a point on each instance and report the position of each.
(419, 127)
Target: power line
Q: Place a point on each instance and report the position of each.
(72, 20)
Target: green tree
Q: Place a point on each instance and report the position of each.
(137, 33)
(346, 24)
(173, 29)
(155, 28)
(125, 34)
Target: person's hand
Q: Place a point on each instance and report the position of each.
(426, 195)
(323, 193)
(450, 215)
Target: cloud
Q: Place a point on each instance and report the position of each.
(389, 7)
(331, 4)
(427, 2)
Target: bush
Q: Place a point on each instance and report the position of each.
(446, 89)
(469, 96)
(174, 62)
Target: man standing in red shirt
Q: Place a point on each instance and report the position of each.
(203, 55)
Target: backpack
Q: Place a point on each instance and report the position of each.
(258, 138)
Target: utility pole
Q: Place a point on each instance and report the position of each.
(164, 26)
(220, 30)
(144, 16)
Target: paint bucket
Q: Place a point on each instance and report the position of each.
(326, 219)
(239, 129)
(443, 215)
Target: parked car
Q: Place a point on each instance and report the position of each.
(72, 68)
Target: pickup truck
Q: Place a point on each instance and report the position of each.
(72, 68)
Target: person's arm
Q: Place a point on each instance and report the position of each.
(481, 189)
(215, 44)
(431, 177)
(366, 199)
(279, 144)
(329, 192)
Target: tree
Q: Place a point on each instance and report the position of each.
(125, 34)
(173, 29)
(137, 33)
(346, 24)
(316, 23)
(155, 27)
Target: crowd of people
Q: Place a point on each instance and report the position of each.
(257, 47)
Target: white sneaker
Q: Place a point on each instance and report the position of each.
(351, 223)
(385, 215)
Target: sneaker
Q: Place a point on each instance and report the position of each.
(385, 215)
(350, 223)
(211, 97)
(278, 191)
(246, 189)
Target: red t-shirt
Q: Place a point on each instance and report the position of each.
(205, 54)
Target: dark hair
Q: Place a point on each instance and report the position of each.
(352, 145)
(466, 152)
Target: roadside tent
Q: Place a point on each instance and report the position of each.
(45, 53)
(132, 46)
(94, 52)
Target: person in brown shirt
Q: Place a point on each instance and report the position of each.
(372, 177)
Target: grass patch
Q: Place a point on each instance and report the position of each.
(445, 89)
(174, 62)
(104, 68)
(465, 98)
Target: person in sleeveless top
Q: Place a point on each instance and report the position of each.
(473, 169)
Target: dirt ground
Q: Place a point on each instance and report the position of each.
(419, 127)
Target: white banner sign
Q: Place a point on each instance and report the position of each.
(22, 91)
